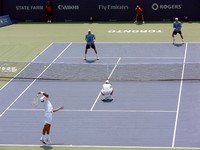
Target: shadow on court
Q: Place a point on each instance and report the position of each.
(107, 100)
(46, 147)
(90, 61)
(178, 44)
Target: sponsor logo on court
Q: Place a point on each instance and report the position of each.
(135, 31)
(5, 68)
(156, 6)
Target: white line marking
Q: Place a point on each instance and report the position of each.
(124, 63)
(128, 42)
(95, 101)
(112, 111)
(100, 146)
(34, 81)
(26, 66)
(108, 78)
(179, 97)
(125, 57)
(114, 68)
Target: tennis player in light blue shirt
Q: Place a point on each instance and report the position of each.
(90, 38)
(177, 25)
(90, 43)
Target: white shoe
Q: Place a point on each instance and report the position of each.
(42, 140)
(143, 22)
(135, 22)
(47, 141)
(84, 57)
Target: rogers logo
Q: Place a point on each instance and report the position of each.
(156, 6)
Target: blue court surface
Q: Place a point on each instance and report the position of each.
(144, 113)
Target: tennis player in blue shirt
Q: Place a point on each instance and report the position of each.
(177, 25)
(90, 43)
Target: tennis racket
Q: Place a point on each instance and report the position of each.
(35, 101)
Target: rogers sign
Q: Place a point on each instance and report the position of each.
(156, 6)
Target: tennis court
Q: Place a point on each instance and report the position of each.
(155, 96)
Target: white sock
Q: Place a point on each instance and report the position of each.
(48, 137)
(42, 137)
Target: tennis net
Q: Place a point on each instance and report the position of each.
(99, 71)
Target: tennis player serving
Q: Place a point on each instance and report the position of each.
(90, 43)
(107, 91)
(177, 29)
(48, 110)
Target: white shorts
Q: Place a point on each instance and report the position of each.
(47, 118)
(107, 93)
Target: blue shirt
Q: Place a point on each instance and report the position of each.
(177, 25)
(90, 38)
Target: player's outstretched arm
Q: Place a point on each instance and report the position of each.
(59, 108)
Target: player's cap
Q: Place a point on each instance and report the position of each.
(176, 19)
(107, 81)
(89, 30)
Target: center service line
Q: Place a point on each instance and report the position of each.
(179, 97)
(108, 79)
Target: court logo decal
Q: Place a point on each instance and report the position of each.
(6, 68)
(135, 31)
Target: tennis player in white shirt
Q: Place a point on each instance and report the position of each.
(107, 91)
(48, 110)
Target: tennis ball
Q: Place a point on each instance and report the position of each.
(45, 66)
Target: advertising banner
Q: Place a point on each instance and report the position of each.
(5, 21)
(102, 10)
(1, 7)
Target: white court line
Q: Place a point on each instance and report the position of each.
(121, 64)
(112, 111)
(27, 66)
(114, 68)
(125, 57)
(34, 81)
(108, 78)
(98, 146)
(128, 42)
(179, 97)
